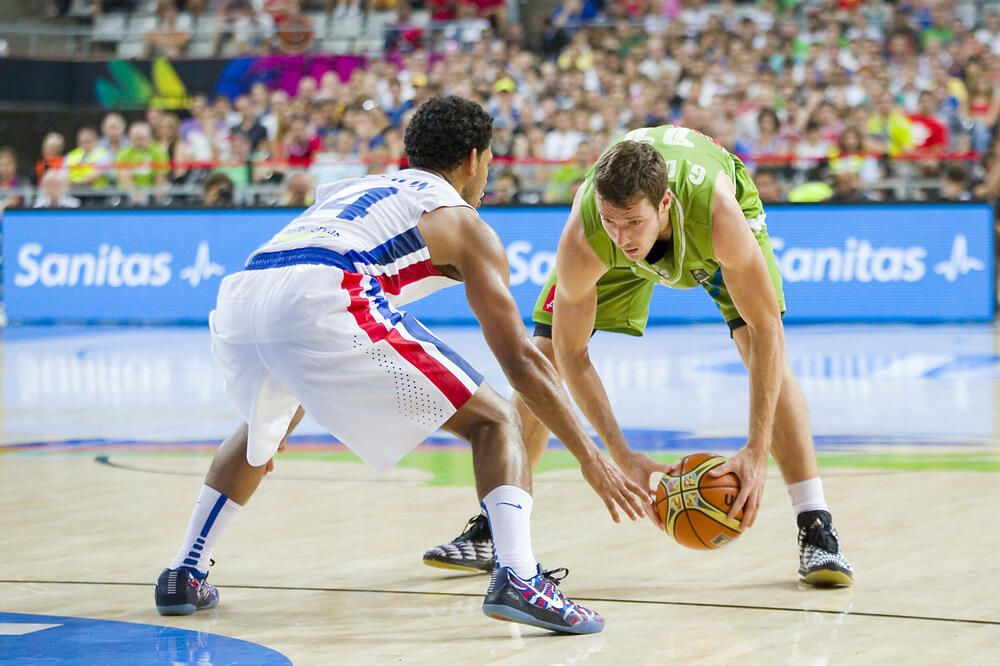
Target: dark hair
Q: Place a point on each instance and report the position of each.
(443, 131)
(629, 170)
(956, 173)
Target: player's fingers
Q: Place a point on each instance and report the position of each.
(755, 509)
(655, 517)
(625, 501)
(741, 499)
(611, 509)
(724, 468)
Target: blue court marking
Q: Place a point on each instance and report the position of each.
(76, 641)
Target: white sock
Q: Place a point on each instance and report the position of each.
(211, 517)
(807, 496)
(508, 508)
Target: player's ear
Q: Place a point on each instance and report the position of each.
(472, 162)
(665, 202)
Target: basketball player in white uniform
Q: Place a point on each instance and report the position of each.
(311, 325)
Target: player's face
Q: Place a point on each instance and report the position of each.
(635, 228)
(474, 190)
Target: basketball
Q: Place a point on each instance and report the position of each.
(693, 505)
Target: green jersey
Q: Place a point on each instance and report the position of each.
(693, 162)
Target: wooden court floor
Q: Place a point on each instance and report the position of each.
(323, 565)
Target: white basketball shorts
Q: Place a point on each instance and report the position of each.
(373, 376)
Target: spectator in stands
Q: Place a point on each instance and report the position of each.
(299, 144)
(989, 34)
(847, 188)
(561, 141)
(849, 155)
(339, 160)
(142, 166)
(395, 104)
(239, 164)
(166, 133)
(767, 186)
(113, 133)
(249, 125)
(53, 191)
(889, 125)
(277, 116)
(250, 30)
(89, 163)
(225, 115)
(170, 35)
(980, 110)
(506, 189)
(53, 147)
(299, 190)
(955, 183)
(206, 142)
(218, 191)
(293, 29)
(9, 180)
(560, 186)
(811, 150)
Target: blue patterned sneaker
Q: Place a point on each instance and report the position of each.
(179, 592)
(538, 602)
(821, 561)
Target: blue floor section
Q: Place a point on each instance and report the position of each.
(80, 641)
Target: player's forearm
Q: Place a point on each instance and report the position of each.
(764, 367)
(588, 392)
(541, 389)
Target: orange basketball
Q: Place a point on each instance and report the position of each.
(693, 505)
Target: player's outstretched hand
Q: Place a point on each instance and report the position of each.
(641, 468)
(615, 488)
(270, 463)
(750, 465)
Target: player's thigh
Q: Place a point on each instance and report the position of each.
(622, 303)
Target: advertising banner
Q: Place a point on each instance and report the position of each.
(901, 263)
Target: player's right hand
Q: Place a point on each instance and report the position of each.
(615, 488)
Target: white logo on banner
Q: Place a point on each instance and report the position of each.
(959, 263)
(203, 268)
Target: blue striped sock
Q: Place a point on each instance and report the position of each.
(213, 512)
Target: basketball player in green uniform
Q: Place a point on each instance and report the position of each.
(670, 205)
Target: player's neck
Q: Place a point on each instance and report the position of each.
(666, 228)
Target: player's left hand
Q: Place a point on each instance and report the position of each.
(750, 466)
(270, 463)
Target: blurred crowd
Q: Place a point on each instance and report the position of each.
(840, 100)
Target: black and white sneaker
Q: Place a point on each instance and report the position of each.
(821, 562)
(179, 592)
(472, 550)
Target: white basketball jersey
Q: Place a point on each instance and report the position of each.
(368, 225)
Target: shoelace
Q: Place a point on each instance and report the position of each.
(477, 527)
(551, 575)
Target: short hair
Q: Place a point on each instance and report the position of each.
(443, 131)
(630, 170)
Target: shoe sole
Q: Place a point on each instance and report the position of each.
(438, 564)
(827, 578)
(179, 609)
(183, 609)
(508, 614)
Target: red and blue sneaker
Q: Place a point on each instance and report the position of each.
(537, 601)
(179, 592)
